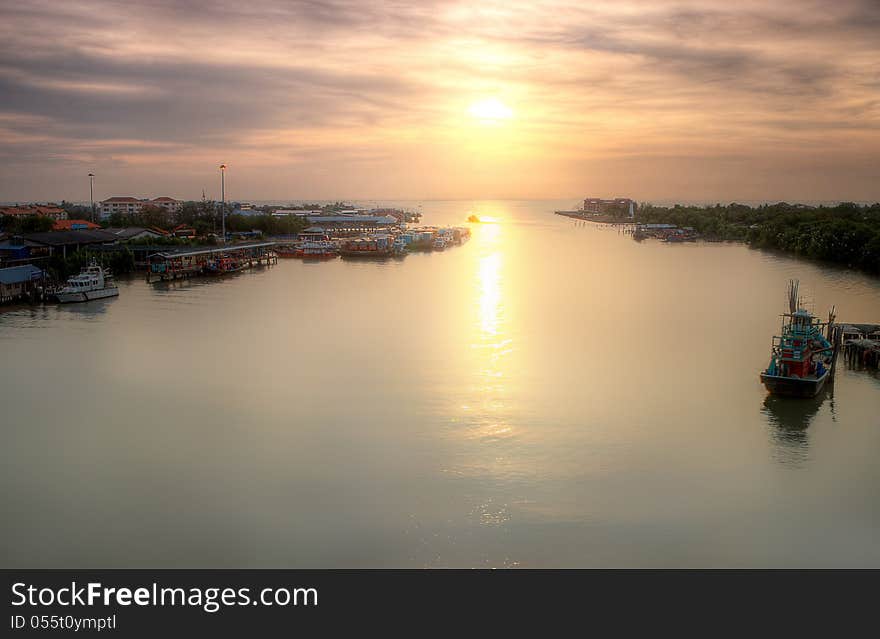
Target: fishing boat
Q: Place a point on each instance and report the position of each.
(316, 250)
(368, 247)
(802, 357)
(223, 265)
(461, 234)
(286, 250)
(398, 248)
(93, 283)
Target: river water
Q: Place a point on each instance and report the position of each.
(551, 393)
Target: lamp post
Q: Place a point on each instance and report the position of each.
(223, 199)
(92, 193)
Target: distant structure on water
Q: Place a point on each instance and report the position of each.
(598, 206)
(595, 208)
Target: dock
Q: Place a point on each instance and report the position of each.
(861, 345)
(172, 265)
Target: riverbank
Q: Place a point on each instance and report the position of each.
(847, 234)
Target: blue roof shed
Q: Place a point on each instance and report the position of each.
(19, 274)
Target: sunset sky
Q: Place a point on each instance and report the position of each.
(658, 100)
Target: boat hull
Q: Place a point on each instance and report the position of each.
(87, 296)
(366, 255)
(794, 386)
(224, 271)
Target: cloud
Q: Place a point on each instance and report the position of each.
(312, 97)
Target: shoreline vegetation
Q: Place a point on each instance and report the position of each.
(203, 216)
(847, 233)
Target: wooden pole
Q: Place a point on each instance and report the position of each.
(835, 335)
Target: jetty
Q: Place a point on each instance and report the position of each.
(172, 265)
(861, 345)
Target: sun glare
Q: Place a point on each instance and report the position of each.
(490, 110)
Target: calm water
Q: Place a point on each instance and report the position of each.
(548, 394)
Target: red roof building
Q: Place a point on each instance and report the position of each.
(45, 210)
(73, 225)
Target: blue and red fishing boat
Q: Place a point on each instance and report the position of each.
(802, 357)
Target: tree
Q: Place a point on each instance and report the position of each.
(18, 225)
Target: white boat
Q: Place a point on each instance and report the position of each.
(92, 283)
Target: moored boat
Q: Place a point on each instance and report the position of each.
(93, 283)
(316, 250)
(801, 361)
(286, 251)
(224, 264)
(379, 246)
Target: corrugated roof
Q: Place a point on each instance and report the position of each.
(357, 219)
(18, 274)
(60, 238)
(131, 231)
(212, 249)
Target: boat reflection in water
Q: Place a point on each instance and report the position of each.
(790, 418)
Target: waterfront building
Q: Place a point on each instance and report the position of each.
(17, 250)
(598, 206)
(68, 242)
(354, 222)
(295, 212)
(18, 281)
(130, 205)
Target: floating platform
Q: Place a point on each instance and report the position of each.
(172, 265)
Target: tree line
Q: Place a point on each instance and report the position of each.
(845, 233)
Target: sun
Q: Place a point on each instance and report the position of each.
(490, 110)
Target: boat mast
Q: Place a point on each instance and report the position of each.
(793, 299)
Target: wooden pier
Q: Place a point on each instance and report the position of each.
(861, 345)
(173, 265)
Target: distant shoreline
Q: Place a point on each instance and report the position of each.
(847, 233)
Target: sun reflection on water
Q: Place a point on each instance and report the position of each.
(486, 415)
(490, 293)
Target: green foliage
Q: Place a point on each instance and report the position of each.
(18, 225)
(165, 240)
(847, 233)
(118, 261)
(76, 211)
(149, 216)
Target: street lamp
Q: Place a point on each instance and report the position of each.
(223, 199)
(92, 193)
